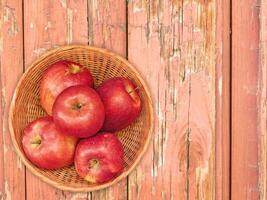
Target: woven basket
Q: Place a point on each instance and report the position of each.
(25, 107)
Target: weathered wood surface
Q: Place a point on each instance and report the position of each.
(107, 29)
(223, 88)
(172, 43)
(46, 25)
(12, 172)
(246, 73)
(182, 49)
(262, 100)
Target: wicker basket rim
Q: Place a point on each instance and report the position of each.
(29, 165)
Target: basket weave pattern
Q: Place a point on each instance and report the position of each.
(25, 107)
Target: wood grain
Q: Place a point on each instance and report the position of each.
(107, 29)
(107, 25)
(12, 173)
(172, 44)
(262, 100)
(48, 24)
(245, 107)
(223, 100)
(1, 109)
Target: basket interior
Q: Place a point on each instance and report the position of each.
(103, 66)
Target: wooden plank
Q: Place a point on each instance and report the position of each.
(52, 23)
(1, 109)
(262, 83)
(48, 24)
(107, 29)
(223, 100)
(11, 50)
(172, 43)
(107, 25)
(245, 76)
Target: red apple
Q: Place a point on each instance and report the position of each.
(79, 111)
(60, 76)
(100, 158)
(46, 146)
(121, 101)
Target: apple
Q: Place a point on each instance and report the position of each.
(79, 111)
(121, 101)
(46, 146)
(99, 158)
(60, 76)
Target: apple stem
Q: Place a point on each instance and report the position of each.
(74, 69)
(136, 88)
(77, 106)
(36, 141)
(94, 163)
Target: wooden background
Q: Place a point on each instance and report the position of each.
(205, 62)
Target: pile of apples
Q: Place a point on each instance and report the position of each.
(81, 122)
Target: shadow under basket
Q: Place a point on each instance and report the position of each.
(25, 107)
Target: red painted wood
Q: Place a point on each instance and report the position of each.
(245, 76)
(223, 100)
(262, 97)
(172, 45)
(12, 179)
(107, 29)
(48, 24)
(107, 25)
(1, 110)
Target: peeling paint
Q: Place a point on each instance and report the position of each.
(69, 21)
(39, 51)
(48, 26)
(137, 9)
(3, 92)
(106, 33)
(136, 182)
(31, 25)
(78, 196)
(63, 3)
(186, 49)
(159, 112)
(69, 25)
(7, 192)
(197, 30)
(90, 22)
(95, 6)
(19, 163)
(3, 104)
(140, 179)
(9, 16)
(174, 98)
(152, 172)
(174, 55)
(201, 176)
(164, 143)
(5, 148)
